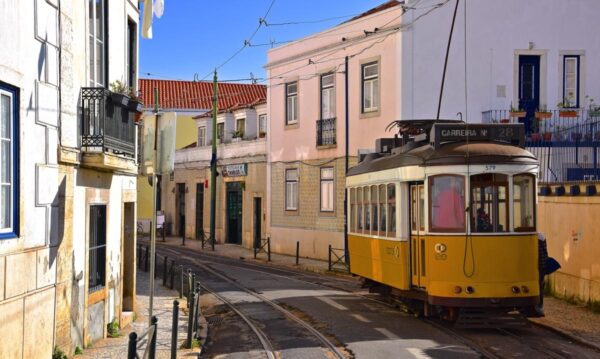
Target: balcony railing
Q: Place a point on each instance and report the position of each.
(326, 132)
(107, 125)
(543, 121)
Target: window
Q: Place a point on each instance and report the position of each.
(9, 201)
(262, 125)
(97, 43)
(291, 104)
(327, 96)
(391, 209)
(327, 189)
(352, 219)
(201, 136)
(571, 80)
(524, 203)
(97, 248)
(382, 210)
(375, 209)
(131, 54)
(489, 207)
(291, 189)
(240, 127)
(447, 203)
(370, 87)
(367, 204)
(220, 131)
(359, 213)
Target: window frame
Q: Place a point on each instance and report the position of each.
(242, 121)
(97, 249)
(94, 81)
(262, 119)
(577, 58)
(508, 203)
(131, 53)
(201, 135)
(220, 133)
(13, 93)
(291, 95)
(330, 88)
(370, 79)
(321, 183)
(287, 181)
(429, 199)
(512, 201)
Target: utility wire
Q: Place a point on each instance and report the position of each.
(309, 21)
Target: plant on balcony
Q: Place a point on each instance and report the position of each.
(558, 133)
(517, 112)
(237, 135)
(593, 109)
(536, 137)
(119, 93)
(135, 101)
(565, 109)
(542, 113)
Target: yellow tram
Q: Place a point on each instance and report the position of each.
(445, 216)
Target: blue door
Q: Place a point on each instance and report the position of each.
(529, 89)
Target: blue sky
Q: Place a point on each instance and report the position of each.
(194, 36)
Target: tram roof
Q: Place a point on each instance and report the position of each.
(454, 153)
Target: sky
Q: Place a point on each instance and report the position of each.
(194, 36)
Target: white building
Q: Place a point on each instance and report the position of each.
(68, 173)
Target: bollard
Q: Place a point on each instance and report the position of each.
(165, 272)
(255, 249)
(297, 251)
(172, 273)
(152, 351)
(189, 282)
(190, 318)
(181, 288)
(268, 249)
(131, 347)
(163, 233)
(197, 306)
(329, 260)
(174, 329)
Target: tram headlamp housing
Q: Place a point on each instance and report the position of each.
(516, 290)
(524, 289)
(470, 290)
(457, 290)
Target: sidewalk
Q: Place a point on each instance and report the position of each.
(573, 321)
(163, 310)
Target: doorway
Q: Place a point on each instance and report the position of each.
(199, 210)
(257, 221)
(234, 212)
(417, 238)
(180, 208)
(128, 246)
(529, 89)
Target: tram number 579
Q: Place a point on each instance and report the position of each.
(490, 167)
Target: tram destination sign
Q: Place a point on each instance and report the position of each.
(453, 132)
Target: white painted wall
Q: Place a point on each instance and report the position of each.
(495, 32)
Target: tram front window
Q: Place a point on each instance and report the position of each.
(447, 199)
(524, 203)
(489, 208)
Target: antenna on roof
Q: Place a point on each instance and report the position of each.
(252, 78)
(196, 77)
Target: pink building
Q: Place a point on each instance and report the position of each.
(306, 103)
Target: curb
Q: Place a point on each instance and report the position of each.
(567, 335)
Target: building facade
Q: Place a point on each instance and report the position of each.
(68, 173)
(307, 111)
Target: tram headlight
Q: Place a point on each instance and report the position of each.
(470, 290)
(516, 290)
(457, 290)
(525, 289)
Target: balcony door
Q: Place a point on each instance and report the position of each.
(529, 88)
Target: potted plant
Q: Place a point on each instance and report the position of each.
(558, 133)
(547, 136)
(593, 109)
(517, 112)
(542, 113)
(565, 109)
(135, 101)
(262, 134)
(536, 137)
(118, 93)
(237, 135)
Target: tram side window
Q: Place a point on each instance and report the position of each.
(375, 206)
(359, 214)
(391, 209)
(352, 209)
(382, 209)
(489, 207)
(367, 202)
(524, 203)
(447, 203)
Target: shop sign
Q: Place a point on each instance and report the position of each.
(236, 170)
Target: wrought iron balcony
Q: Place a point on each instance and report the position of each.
(326, 134)
(107, 123)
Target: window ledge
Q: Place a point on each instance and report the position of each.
(69, 155)
(370, 114)
(326, 147)
(291, 212)
(292, 126)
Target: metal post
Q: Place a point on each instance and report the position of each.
(131, 346)
(197, 308)
(152, 351)
(163, 232)
(329, 256)
(154, 266)
(181, 288)
(193, 286)
(268, 249)
(146, 260)
(190, 302)
(165, 272)
(172, 273)
(154, 205)
(347, 120)
(213, 164)
(174, 329)
(297, 251)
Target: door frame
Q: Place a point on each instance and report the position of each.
(543, 54)
(199, 206)
(417, 237)
(240, 217)
(257, 204)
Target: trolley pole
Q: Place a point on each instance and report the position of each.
(154, 195)
(347, 120)
(213, 164)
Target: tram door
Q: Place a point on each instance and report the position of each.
(417, 236)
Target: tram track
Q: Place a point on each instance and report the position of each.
(331, 349)
(470, 340)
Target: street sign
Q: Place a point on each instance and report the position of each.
(236, 170)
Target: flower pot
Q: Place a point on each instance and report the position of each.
(119, 98)
(518, 114)
(262, 134)
(137, 117)
(568, 113)
(547, 136)
(505, 120)
(543, 115)
(135, 105)
(594, 113)
(576, 136)
(536, 137)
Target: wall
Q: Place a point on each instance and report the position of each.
(496, 32)
(574, 241)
